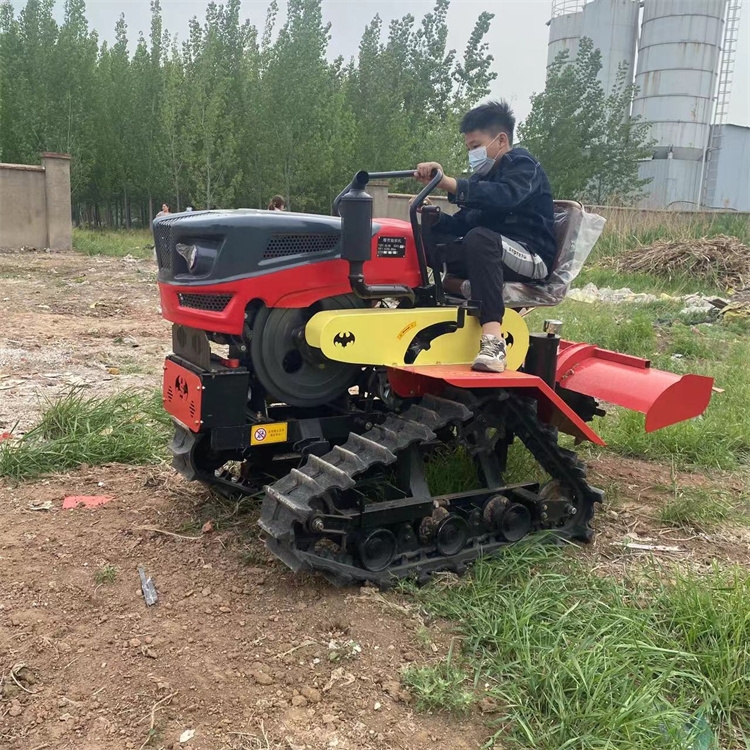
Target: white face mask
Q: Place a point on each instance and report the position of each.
(479, 162)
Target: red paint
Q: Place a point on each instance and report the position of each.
(300, 286)
(232, 363)
(416, 381)
(87, 501)
(631, 382)
(182, 391)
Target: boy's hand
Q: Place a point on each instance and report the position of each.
(424, 172)
(427, 202)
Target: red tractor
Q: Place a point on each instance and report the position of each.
(319, 361)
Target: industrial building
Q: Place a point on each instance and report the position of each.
(680, 54)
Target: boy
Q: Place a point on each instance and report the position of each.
(506, 219)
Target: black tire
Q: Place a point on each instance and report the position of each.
(279, 364)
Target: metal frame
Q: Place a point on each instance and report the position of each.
(710, 169)
(565, 7)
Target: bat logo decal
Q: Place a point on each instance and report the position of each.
(181, 386)
(508, 339)
(344, 338)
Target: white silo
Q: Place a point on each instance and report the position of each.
(612, 25)
(564, 28)
(678, 59)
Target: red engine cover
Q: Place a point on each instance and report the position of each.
(299, 286)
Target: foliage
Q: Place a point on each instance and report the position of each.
(138, 243)
(106, 574)
(126, 428)
(233, 114)
(586, 140)
(577, 659)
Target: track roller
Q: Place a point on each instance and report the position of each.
(377, 550)
(452, 535)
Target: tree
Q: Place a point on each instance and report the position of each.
(587, 142)
(230, 116)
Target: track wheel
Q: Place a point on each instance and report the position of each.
(377, 550)
(451, 536)
(511, 520)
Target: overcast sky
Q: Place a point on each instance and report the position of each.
(518, 37)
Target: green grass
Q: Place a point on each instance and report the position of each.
(106, 574)
(702, 510)
(580, 661)
(135, 242)
(718, 439)
(442, 687)
(128, 428)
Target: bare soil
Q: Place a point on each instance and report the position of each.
(237, 649)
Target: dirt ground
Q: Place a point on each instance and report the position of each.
(237, 649)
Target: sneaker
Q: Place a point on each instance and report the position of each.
(491, 357)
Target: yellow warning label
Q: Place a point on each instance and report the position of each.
(406, 329)
(276, 432)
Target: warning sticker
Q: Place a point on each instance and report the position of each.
(275, 432)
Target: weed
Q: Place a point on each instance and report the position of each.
(441, 687)
(424, 636)
(451, 470)
(126, 428)
(710, 618)
(106, 574)
(578, 660)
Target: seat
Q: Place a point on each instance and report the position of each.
(576, 232)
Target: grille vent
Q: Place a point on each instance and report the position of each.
(210, 302)
(164, 243)
(284, 245)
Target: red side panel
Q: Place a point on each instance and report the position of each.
(298, 286)
(181, 395)
(631, 382)
(418, 380)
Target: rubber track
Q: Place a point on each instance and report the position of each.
(291, 500)
(560, 463)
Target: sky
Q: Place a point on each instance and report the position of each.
(518, 37)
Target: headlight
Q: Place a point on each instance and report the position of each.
(189, 253)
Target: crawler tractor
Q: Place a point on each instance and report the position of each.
(319, 362)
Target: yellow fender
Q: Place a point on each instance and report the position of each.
(382, 337)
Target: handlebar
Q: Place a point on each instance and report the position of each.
(359, 182)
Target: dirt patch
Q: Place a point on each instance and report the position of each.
(242, 648)
(636, 490)
(75, 321)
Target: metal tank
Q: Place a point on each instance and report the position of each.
(564, 28)
(612, 25)
(678, 60)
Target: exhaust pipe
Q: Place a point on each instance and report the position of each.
(354, 206)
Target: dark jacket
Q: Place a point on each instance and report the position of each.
(514, 199)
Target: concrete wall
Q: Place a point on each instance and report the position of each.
(619, 219)
(396, 205)
(35, 206)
